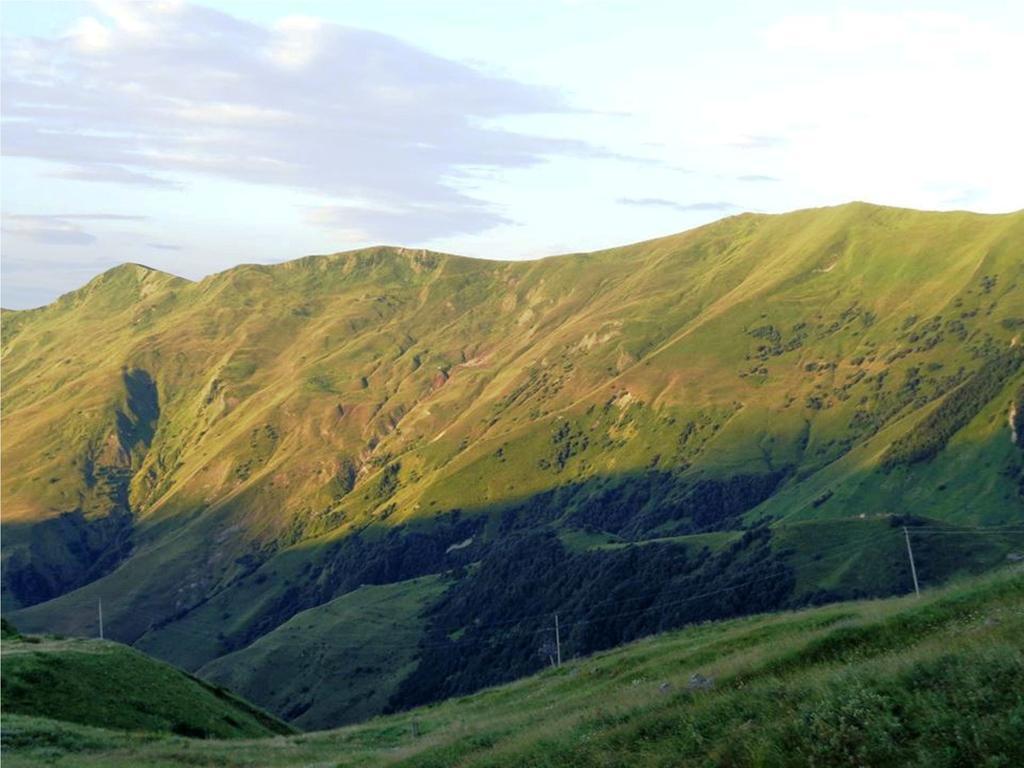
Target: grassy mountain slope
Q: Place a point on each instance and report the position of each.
(930, 681)
(100, 683)
(214, 457)
(337, 663)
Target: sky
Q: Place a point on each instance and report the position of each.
(194, 137)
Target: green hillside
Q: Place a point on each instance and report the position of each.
(213, 459)
(337, 663)
(933, 681)
(100, 683)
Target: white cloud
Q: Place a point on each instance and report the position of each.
(305, 136)
(138, 19)
(153, 93)
(58, 229)
(89, 35)
(244, 115)
(409, 224)
(660, 202)
(296, 42)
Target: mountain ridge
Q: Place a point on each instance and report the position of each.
(214, 457)
(853, 205)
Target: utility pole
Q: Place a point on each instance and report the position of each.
(101, 617)
(558, 643)
(910, 554)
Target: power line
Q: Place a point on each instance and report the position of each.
(842, 548)
(515, 626)
(497, 632)
(967, 528)
(700, 596)
(967, 533)
(667, 584)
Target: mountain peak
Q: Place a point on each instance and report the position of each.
(121, 286)
(135, 269)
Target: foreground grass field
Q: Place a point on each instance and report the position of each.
(930, 681)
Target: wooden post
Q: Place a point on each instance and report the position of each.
(558, 643)
(913, 569)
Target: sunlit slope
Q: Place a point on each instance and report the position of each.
(100, 683)
(63, 390)
(205, 434)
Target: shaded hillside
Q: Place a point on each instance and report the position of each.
(212, 458)
(100, 683)
(337, 663)
(933, 681)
